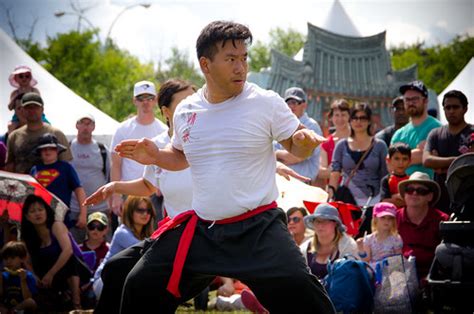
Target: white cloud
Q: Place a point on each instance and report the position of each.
(403, 33)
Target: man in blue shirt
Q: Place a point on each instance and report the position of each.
(296, 99)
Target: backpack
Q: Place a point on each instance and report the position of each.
(350, 285)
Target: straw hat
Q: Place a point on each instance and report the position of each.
(424, 179)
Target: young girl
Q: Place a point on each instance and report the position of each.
(384, 239)
(22, 79)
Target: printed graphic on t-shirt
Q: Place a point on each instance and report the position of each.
(464, 140)
(47, 176)
(190, 118)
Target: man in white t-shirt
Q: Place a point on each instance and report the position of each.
(224, 133)
(144, 124)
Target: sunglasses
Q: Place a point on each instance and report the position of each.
(293, 102)
(92, 227)
(420, 191)
(294, 219)
(143, 211)
(24, 76)
(360, 118)
(145, 97)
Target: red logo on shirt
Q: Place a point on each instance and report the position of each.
(47, 176)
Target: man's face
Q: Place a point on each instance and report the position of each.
(32, 113)
(399, 113)
(296, 224)
(454, 111)
(85, 127)
(415, 103)
(227, 71)
(418, 196)
(146, 103)
(298, 108)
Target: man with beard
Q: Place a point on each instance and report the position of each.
(414, 133)
(444, 144)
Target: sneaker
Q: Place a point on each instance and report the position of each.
(251, 303)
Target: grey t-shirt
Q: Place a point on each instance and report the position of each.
(88, 163)
(371, 171)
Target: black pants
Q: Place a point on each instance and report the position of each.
(258, 251)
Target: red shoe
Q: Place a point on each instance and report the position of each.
(251, 303)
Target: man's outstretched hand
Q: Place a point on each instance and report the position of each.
(143, 151)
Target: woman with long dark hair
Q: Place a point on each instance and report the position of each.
(359, 159)
(50, 248)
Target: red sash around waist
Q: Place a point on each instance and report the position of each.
(187, 236)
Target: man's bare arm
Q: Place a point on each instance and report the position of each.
(302, 142)
(432, 160)
(145, 152)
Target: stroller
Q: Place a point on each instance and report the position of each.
(451, 277)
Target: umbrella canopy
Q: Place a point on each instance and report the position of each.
(293, 192)
(15, 187)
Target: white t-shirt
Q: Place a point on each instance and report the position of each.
(176, 186)
(229, 149)
(131, 129)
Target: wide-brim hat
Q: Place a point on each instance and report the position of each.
(327, 212)
(19, 70)
(424, 179)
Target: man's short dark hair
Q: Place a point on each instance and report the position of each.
(217, 31)
(456, 94)
(14, 249)
(292, 210)
(401, 148)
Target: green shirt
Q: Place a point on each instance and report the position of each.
(412, 136)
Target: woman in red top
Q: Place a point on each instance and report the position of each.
(339, 117)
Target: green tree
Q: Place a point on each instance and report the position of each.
(288, 42)
(259, 56)
(179, 66)
(437, 65)
(104, 76)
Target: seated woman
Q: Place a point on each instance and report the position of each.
(50, 248)
(330, 240)
(138, 223)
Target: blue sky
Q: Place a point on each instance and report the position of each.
(150, 33)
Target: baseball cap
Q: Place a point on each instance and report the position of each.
(384, 209)
(415, 85)
(98, 216)
(144, 87)
(31, 99)
(49, 140)
(295, 93)
(86, 116)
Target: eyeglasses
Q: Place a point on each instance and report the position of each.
(412, 99)
(293, 102)
(451, 107)
(360, 118)
(92, 227)
(142, 98)
(143, 211)
(24, 76)
(294, 219)
(420, 191)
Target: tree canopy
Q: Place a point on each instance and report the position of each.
(437, 65)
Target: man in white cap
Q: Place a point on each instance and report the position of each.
(418, 222)
(296, 98)
(92, 164)
(144, 124)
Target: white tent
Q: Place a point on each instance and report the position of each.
(61, 105)
(464, 82)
